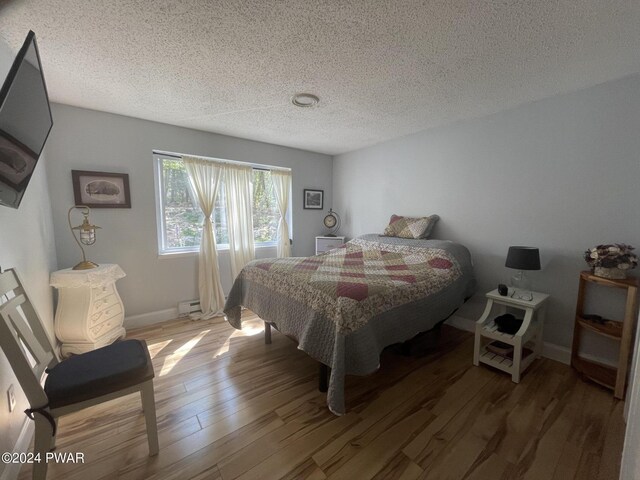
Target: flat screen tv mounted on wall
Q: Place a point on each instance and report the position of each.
(25, 122)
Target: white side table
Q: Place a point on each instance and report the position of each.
(324, 244)
(90, 312)
(529, 335)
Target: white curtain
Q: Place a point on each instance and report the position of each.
(282, 186)
(238, 195)
(204, 177)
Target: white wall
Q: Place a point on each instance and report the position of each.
(91, 140)
(26, 243)
(561, 174)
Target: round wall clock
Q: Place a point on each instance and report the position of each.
(332, 222)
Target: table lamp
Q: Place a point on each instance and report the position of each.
(87, 234)
(522, 259)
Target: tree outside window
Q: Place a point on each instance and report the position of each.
(182, 218)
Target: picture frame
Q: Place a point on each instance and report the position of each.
(313, 199)
(101, 189)
(17, 162)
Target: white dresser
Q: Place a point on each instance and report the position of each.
(324, 244)
(90, 313)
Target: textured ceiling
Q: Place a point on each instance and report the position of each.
(382, 69)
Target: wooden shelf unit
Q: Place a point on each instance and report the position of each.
(609, 328)
(622, 331)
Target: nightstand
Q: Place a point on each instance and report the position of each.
(90, 313)
(527, 340)
(324, 244)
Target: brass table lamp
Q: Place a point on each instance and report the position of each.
(87, 234)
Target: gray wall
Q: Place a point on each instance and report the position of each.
(26, 243)
(561, 174)
(90, 140)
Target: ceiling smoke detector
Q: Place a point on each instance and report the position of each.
(305, 100)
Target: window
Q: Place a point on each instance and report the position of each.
(180, 219)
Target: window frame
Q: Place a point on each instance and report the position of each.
(174, 252)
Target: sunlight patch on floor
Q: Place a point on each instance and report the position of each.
(155, 348)
(176, 356)
(249, 329)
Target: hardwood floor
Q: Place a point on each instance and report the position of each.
(231, 407)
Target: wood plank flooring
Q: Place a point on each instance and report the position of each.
(231, 407)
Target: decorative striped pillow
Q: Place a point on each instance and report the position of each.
(410, 227)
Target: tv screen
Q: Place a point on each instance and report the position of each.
(25, 122)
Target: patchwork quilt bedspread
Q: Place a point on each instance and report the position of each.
(345, 305)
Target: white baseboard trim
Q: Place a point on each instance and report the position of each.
(145, 319)
(556, 352)
(549, 350)
(462, 323)
(11, 470)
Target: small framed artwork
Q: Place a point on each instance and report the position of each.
(17, 163)
(313, 199)
(101, 189)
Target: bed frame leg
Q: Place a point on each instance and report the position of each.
(422, 342)
(323, 378)
(267, 333)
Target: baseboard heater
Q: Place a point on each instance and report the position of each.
(187, 308)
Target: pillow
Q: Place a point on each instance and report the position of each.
(410, 227)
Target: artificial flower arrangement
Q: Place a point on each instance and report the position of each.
(615, 256)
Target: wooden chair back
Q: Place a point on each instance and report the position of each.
(23, 338)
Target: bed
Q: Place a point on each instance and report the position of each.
(344, 306)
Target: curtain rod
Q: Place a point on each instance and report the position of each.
(255, 166)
